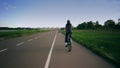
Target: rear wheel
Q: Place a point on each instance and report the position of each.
(69, 48)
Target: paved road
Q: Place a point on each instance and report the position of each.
(46, 50)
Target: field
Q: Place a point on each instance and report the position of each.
(104, 43)
(17, 33)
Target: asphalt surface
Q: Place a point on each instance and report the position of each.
(46, 50)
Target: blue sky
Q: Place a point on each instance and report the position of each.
(55, 13)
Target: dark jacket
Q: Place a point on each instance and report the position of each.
(68, 28)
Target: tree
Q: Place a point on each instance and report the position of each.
(119, 20)
(119, 23)
(90, 25)
(97, 25)
(109, 24)
(82, 26)
(86, 25)
(117, 26)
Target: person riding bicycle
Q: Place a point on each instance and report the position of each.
(68, 29)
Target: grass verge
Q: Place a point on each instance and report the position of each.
(18, 33)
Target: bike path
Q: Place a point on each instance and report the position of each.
(79, 57)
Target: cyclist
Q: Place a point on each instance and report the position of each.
(68, 29)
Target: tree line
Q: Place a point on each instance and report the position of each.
(109, 24)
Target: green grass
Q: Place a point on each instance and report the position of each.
(104, 43)
(18, 33)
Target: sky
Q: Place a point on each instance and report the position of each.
(55, 13)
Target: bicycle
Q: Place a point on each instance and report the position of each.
(69, 46)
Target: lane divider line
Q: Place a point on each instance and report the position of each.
(3, 49)
(20, 44)
(50, 52)
(30, 40)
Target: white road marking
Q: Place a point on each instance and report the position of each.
(3, 49)
(50, 52)
(30, 40)
(19, 44)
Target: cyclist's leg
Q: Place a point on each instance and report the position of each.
(71, 37)
(66, 37)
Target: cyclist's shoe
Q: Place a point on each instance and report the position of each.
(71, 40)
(65, 44)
